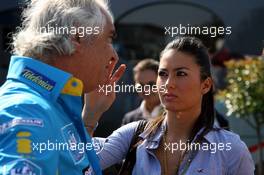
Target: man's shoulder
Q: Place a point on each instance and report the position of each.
(133, 115)
(15, 93)
(23, 109)
(134, 112)
(18, 98)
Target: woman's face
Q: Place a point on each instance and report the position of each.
(179, 73)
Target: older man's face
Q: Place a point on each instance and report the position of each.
(93, 64)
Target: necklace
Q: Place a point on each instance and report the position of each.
(165, 157)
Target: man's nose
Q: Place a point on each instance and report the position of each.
(115, 56)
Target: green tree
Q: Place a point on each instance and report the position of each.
(244, 95)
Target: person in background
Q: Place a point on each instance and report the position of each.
(145, 74)
(218, 56)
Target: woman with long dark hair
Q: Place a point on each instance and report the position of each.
(184, 140)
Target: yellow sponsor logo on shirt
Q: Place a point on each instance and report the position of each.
(23, 143)
(73, 87)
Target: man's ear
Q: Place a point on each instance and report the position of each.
(206, 85)
(76, 41)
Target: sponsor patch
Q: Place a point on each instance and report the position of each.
(21, 121)
(21, 167)
(23, 142)
(71, 137)
(38, 78)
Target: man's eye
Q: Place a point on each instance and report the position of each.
(111, 39)
(162, 74)
(181, 73)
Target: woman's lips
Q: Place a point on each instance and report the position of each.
(169, 97)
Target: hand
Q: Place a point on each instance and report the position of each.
(97, 102)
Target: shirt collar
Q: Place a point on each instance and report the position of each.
(154, 140)
(154, 113)
(211, 136)
(45, 79)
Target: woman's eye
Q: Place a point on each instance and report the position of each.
(180, 73)
(162, 74)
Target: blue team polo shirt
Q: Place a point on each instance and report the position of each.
(41, 130)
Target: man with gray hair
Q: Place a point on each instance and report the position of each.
(63, 49)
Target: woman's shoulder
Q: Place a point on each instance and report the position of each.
(233, 150)
(222, 135)
(225, 137)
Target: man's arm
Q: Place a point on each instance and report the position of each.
(25, 131)
(91, 121)
(99, 101)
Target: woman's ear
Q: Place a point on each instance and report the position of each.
(206, 85)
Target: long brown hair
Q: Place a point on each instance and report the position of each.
(194, 47)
